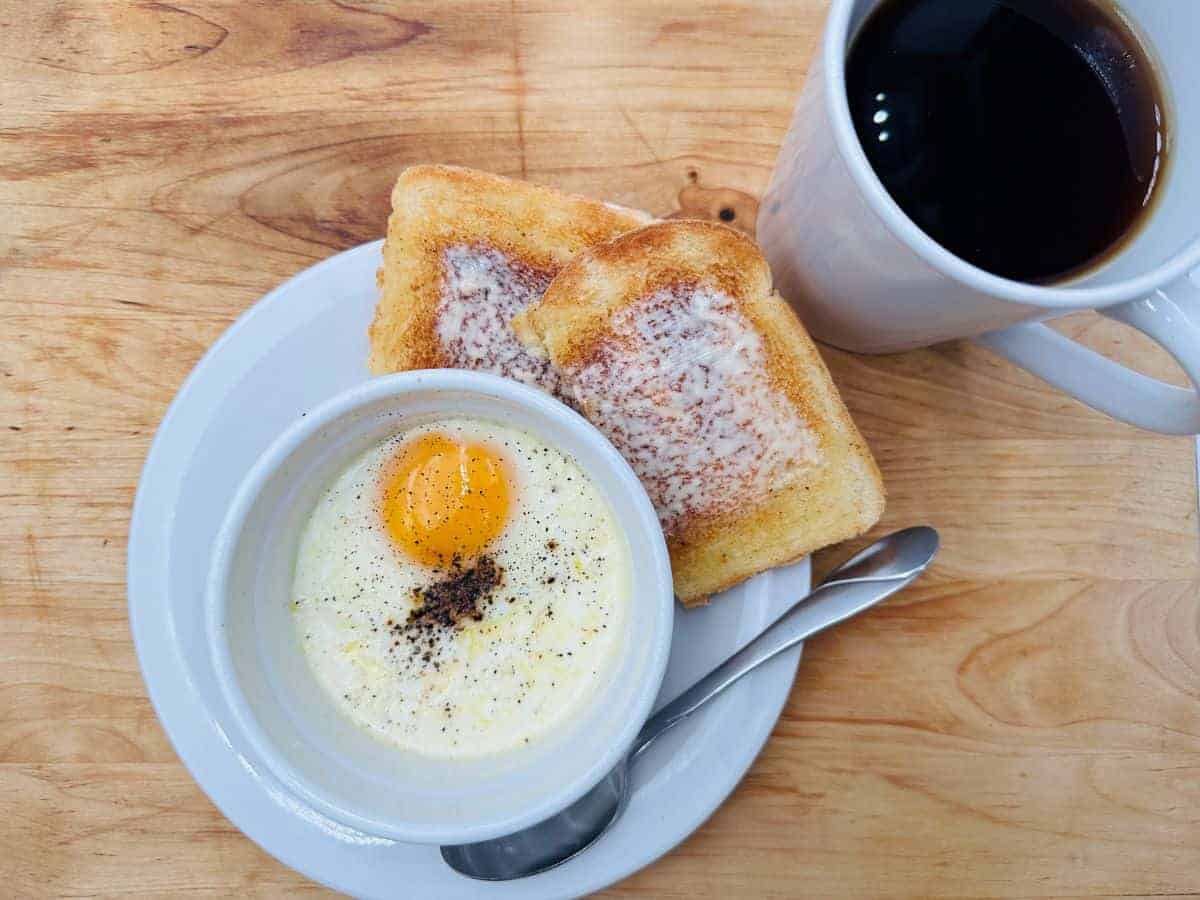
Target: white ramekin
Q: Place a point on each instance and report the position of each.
(315, 749)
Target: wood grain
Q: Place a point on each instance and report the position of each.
(1025, 723)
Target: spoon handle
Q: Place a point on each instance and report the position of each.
(831, 603)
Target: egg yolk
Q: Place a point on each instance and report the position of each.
(443, 499)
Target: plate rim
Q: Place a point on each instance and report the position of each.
(156, 660)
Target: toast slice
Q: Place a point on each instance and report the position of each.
(672, 341)
(465, 251)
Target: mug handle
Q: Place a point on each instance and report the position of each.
(1170, 316)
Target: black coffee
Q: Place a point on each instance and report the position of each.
(1024, 136)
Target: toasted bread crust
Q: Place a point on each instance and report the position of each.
(840, 494)
(438, 207)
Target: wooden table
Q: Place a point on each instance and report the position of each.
(1024, 723)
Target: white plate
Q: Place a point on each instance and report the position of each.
(299, 345)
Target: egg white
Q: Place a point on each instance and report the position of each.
(547, 640)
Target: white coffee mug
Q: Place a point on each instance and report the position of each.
(864, 277)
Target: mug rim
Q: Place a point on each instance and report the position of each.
(837, 105)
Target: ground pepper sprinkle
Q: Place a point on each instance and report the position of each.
(458, 598)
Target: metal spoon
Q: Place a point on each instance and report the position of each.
(858, 584)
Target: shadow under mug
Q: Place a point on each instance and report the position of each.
(864, 277)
